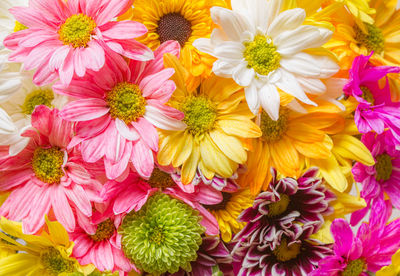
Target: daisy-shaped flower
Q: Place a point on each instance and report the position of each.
(263, 50)
(47, 254)
(102, 246)
(66, 38)
(46, 176)
(368, 250)
(293, 253)
(183, 21)
(216, 122)
(375, 111)
(118, 109)
(134, 191)
(8, 24)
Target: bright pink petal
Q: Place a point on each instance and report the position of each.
(343, 236)
(115, 143)
(142, 159)
(78, 173)
(94, 127)
(58, 57)
(131, 49)
(93, 56)
(157, 64)
(79, 89)
(40, 205)
(12, 179)
(84, 110)
(78, 196)
(62, 208)
(30, 17)
(66, 71)
(39, 54)
(115, 170)
(123, 29)
(81, 245)
(126, 131)
(164, 92)
(148, 133)
(152, 83)
(113, 9)
(157, 114)
(94, 148)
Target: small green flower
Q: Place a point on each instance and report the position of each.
(163, 236)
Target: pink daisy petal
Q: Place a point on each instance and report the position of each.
(113, 9)
(39, 207)
(61, 208)
(147, 132)
(151, 83)
(78, 196)
(142, 159)
(123, 29)
(128, 132)
(84, 110)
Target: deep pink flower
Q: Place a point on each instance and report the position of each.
(370, 249)
(65, 38)
(383, 177)
(118, 110)
(133, 192)
(375, 111)
(47, 176)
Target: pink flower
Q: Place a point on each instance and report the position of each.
(133, 192)
(370, 249)
(375, 111)
(118, 110)
(102, 245)
(47, 176)
(65, 38)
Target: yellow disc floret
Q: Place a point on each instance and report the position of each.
(261, 55)
(284, 253)
(77, 30)
(274, 130)
(354, 268)
(104, 231)
(19, 27)
(54, 263)
(37, 97)
(279, 207)
(200, 114)
(47, 164)
(126, 102)
(373, 40)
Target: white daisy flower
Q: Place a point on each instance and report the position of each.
(262, 49)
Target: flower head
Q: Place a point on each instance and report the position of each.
(68, 38)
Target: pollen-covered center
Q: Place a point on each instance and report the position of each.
(354, 268)
(160, 179)
(174, 26)
(104, 231)
(279, 207)
(373, 40)
(37, 97)
(47, 164)
(19, 27)
(367, 95)
(274, 130)
(200, 114)
(126, 102)
(77, 30)
(54, 263)
(284, 252)
(383, 167)
(261, 55)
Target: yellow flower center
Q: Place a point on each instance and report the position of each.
(47, 164)
(373, 40)
(160, 179)
(279, 207)
(19, 27)
(54, 263)
(157, 236)
(126, 102)
(284, 253)
(274, 130)
(367, 95)
(226, 197)
(104, 231)
(37, 97)
(261, 55)
(383, 167)
(200, 114)
(174, 26)
(354, 268)
(77, 30)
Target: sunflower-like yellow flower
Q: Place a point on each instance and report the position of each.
(217, 121)
(48, 254)
(393, 269)
(180, 20)
(228, 211)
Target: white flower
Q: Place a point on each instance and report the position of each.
(262, 49)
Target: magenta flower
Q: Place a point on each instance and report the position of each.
(375, 111)
(66, 38)
(369, 250)
(118, 110)
(133, 192)
(383, 177)
(47, 176)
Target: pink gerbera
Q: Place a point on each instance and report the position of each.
(375, 110)
(119, 109)
(63, 38)
(47, 176)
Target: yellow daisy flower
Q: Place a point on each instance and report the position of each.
(217, 121)
(47, 254)
(393, 269)
(229, 210)
(180, 20)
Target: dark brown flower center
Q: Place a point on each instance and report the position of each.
(104, 231)
(383, 167)
(160, 179)
(173, 26)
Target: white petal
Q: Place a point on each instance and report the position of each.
(335, 87)
(252, 98)
(270, 100)
(259, 13)
(328, 66)
(312, 86)
(243, 75)
(296, 106)
(16, 148)
(9, 84)
(204, 45)
(223, 68)
(128, 132)
(6, 124)
(160, 120)
(286, 20)
(230, 50)
(301, 64)
(273, 9)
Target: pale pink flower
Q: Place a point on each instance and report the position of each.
(66, 38)
(118, 110)
(46, 176)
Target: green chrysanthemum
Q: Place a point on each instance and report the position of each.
(163, 236)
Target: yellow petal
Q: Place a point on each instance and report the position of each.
(317, 150)
(184, 149)
(189, 167)
(285, 157)
(18, 264)
(168, 149)
(180, 75)
(324, 233)
(229, 145)
(239, 126)
(351, 148)
(57, 233)
(330, 170)
(219, 89)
